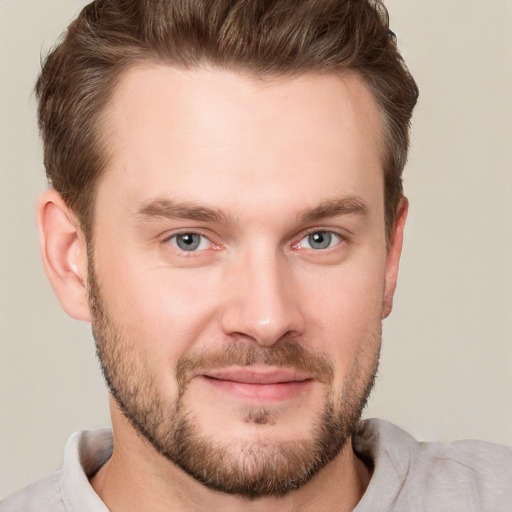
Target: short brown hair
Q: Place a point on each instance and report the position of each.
(266, 38)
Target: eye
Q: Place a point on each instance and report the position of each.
(190, 242)
(320, 240)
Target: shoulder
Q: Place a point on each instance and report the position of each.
(469, 456)
(475, 471)
(41, 496)
(68, 489)
(460, 475)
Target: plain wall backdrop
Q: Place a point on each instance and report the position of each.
(446, 369)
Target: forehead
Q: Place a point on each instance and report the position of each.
(216, 136)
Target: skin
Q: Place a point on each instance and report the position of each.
(263, 154)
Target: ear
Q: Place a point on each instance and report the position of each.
(64, 254)
(393, 257)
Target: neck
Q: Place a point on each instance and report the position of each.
(138, 478)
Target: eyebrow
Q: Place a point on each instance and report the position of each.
(335, 208)
(169, 209)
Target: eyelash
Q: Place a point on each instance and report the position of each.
(168, 240)
(340, 239)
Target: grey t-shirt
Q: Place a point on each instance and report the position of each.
(408, 476)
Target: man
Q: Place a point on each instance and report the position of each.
(226, 210)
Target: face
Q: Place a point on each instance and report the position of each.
(239, 272)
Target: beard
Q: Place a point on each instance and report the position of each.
(255, 468)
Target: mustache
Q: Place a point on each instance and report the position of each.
(284, 354)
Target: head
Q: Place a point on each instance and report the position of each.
(258, 38)
(227, 211)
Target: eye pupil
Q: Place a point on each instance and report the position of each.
(320, 240)
(188, 241)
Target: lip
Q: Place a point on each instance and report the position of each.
(258, 375)
(259, 385)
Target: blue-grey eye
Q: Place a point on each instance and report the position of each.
(189, 241)
(320, 240)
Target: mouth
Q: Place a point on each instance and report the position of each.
(263, 385)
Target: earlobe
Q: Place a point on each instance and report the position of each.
(393, 257)
(64, 254)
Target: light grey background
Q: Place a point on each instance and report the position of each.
(447, 360)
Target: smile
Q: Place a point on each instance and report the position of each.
(259, 385)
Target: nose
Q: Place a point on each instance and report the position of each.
(262, 300)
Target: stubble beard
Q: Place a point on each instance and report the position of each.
(256, 468)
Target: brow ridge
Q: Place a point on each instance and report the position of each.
(352, 205)
(171, 209)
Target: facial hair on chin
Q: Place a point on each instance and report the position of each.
(256, 468)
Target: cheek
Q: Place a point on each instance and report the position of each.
(164, 310)
(347, 313)
(350, 295)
